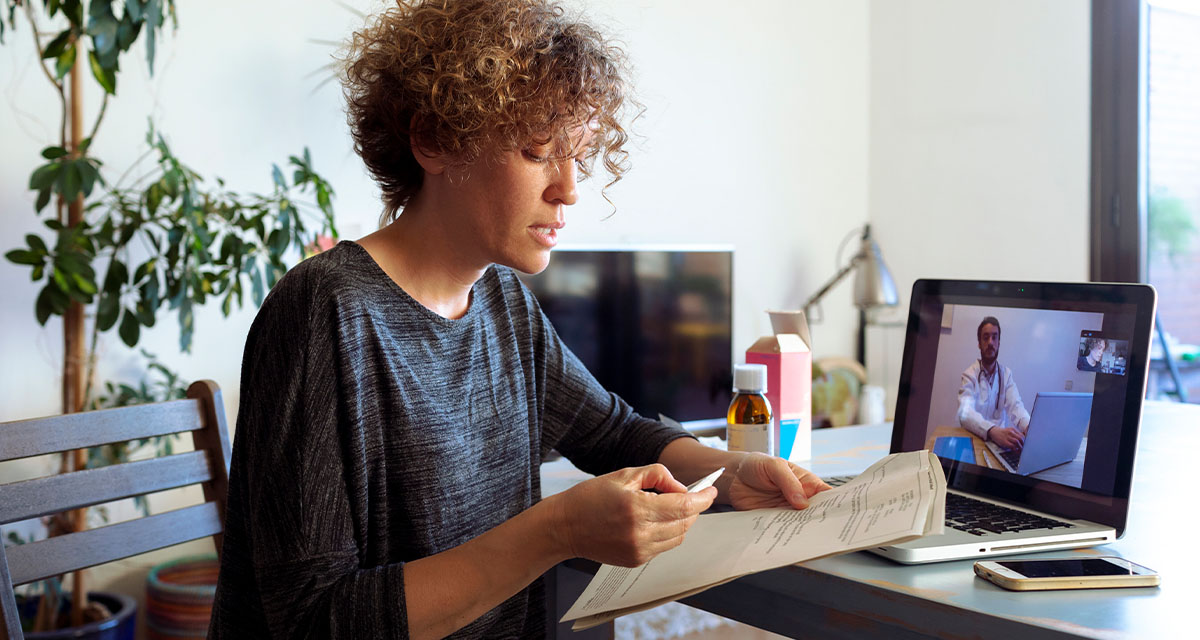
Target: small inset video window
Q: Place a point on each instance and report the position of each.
(1102, 354)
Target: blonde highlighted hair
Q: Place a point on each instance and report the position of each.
(464, 78)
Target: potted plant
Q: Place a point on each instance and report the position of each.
(165, 241)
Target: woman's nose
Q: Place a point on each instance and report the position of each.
(563, 188)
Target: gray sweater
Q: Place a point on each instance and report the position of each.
(373, 432)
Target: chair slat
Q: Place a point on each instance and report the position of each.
(54, 494)
(38, 436)
(10, 619)
(63, 554)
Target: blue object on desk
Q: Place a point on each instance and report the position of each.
(954, 448)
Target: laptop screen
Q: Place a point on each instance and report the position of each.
(1029, 392)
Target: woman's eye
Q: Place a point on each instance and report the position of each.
(531, 155)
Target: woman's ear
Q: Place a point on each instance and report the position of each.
(431, 162)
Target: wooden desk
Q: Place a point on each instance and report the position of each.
(1070, 473)
(862, 595)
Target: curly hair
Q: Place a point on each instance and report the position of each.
(466, 78)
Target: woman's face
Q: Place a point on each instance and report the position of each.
(509, 209)
(1097, 349)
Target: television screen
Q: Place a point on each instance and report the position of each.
(653, 325)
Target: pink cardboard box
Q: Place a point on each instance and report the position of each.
(789, 390)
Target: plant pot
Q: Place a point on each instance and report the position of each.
(120, 626)
(179, 598)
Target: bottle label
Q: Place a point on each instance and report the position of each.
(749, 437)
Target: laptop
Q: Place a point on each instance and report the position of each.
(1057, 424)
(1062, 492)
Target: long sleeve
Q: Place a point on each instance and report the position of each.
(1018, 416)
(290, 562)
(968, 417)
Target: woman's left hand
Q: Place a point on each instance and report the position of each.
(763, 481)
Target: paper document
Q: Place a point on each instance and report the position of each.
(899, 498)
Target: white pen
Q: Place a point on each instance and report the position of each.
(705, 482)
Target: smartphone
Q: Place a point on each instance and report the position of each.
(1067, 573)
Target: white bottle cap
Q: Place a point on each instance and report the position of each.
(750, 378)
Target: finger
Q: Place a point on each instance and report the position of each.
(664, 531)
(784, 478)
(813, 484)
(669, 507)
(657, 476)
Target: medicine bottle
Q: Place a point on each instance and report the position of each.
(749, 415)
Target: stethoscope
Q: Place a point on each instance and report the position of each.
(998, 378)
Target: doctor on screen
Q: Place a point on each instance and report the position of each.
(989, 404)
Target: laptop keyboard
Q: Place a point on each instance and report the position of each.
(979, 518)
(1013, 458)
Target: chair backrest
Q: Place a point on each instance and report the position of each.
(201, 414)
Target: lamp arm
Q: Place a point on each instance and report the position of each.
(816, 297)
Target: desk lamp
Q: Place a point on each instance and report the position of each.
(873, 284)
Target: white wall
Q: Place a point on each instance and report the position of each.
(979, 145)
(754, 135)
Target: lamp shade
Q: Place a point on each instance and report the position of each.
(873, 283)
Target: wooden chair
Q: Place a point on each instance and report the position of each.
(201, 413)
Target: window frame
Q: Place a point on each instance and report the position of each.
(1119, 198)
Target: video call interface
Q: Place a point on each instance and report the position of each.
(1029, 392)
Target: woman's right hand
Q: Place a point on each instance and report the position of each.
(613, 520)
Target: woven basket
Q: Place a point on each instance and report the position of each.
(179, 597)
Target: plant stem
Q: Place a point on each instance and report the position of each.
(58, 86)
(73, 337)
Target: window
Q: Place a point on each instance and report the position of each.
(1146, 163)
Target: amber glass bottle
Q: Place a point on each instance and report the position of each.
(749, 415)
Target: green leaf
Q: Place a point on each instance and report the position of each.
(277, 242)
(43, 308)
(133, 9)
(152, 12)
(56, 46)
(74, 11)
(102, 27)
(60, 279)
(186, 326)
(87, 174)
(150, 297)
(84, 284)
(277, 176)
(68, 182)
(36, 243)
(21, 256)
(117, 276)
(65, 62)
(45, 176)
(154, 196)
(256, 288)
(144, 269)
(52, 153)
(59, 300)
(127, 32)
(129, 328)
(43, 199)
(108, 309)
(106, 77)
(145, 314)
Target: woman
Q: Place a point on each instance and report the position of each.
(399, 393)
(1095, 353)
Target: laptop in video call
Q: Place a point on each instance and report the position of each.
(1077, 357)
